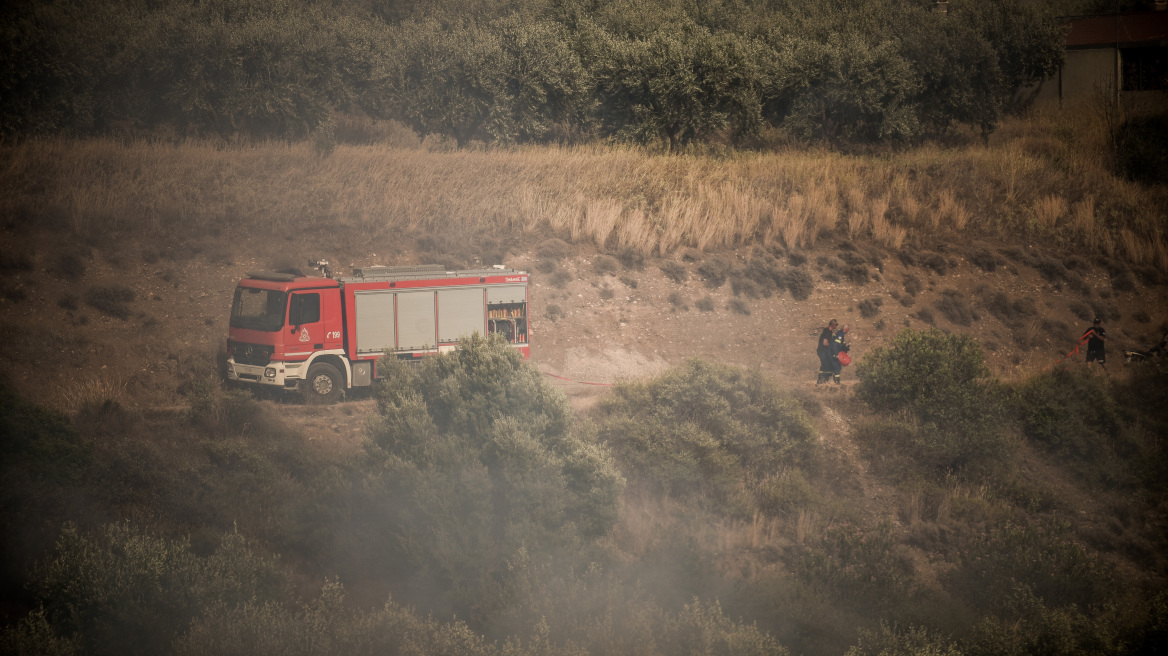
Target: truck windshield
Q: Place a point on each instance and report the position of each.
(258, 309)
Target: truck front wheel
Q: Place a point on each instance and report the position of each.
(323, 384)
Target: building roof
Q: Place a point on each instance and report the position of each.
(1137, 28)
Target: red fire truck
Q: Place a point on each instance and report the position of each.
(320, 335)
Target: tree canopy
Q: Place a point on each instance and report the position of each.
(670, 72)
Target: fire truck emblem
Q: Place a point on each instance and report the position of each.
(304, 335)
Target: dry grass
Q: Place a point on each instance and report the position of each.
(616, 198)
(1048, 210)
(94, 391)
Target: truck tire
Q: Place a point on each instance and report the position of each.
(324, 384)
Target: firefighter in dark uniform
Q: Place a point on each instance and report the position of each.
(823, 350)
(1095, 351)
(838, 345)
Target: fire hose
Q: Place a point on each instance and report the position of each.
(1075, 351)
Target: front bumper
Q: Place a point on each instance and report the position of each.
(274, 374)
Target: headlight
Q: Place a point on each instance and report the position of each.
(270, 372)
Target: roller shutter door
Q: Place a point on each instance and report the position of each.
(460, 313)
(507, 294)
(375, 331)
(415, 320)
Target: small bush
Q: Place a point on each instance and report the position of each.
(746, 287)
(943, 381)
(701, 430)
(1081, 310)
(553, 249)
(1106, 312)
(675, 271)
(631, 283)
(678, 301)
(899, 641)
(110, 300)
(125, 591)
(786, 492)
(1074, 415)
(69, 266)
(861, 568)
(738, 306)
(67, 301)
(857, 273)
(870, 307)
(985, 259)
(1011, 313)
(1141, 144)
(850, 256)
(926, 315)
(705, 304)
(1050, 268)
(912, 285)
(604, 265)
(1150, 275)
(13, 261)
(796, 259)
(954, 307)
(14, 293)
(1015, 255)
(715, 271)
(560, 279)
(1121, 281)
(935, 262)
(1042, 559)
(1141, 316)
(606, 293)
(799, 282)
(631, 258)
(554, 312)
(546, 266)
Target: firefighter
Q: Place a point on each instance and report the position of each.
(838, 345)
(823, 350)
(1095, 344)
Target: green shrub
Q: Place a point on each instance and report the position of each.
(1142, 148)
(124, 591)
(701, 429)
(473, 459)
(325, 626)
(943, 382)
(1078, 417)
(34, 635)
(895, 641)
(1043, 559)
(1034, 627)
(861, 568)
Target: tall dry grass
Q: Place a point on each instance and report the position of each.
(610, 196)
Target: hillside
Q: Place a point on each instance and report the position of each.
(119, 262)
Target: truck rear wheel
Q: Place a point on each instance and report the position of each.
(323, 384)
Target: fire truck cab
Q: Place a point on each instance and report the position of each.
(321, 335)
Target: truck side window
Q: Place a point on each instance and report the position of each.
(305, 308)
